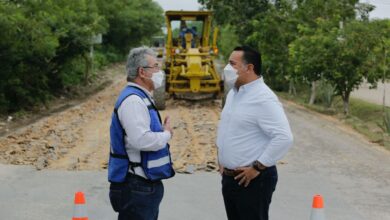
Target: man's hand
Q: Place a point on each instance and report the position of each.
(167, 125)
(220, 170)
(246, 175)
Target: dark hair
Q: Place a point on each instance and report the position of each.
(251, 56)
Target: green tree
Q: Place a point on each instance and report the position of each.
(228, 40)
(237, 13)
(310, 56)
(273, 31)
(130, 22)
(317, 18)
(378, 62)
(40, 41)
(75, 23)
(45, 45)
(349, 54)
(262, 24)
(26, 46)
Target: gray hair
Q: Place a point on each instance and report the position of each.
(137, 59)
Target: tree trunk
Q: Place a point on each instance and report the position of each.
(313, 92)
(87, 68)
(346, 103)
(384, 96)
(291, 88)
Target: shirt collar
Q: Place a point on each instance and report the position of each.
(250, 85)
(138, 86)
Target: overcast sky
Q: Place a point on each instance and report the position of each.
(382, 9)
(189, 5)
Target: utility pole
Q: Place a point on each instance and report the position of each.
(384, 79)
(386, 119)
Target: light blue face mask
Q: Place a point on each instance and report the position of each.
(230, 75)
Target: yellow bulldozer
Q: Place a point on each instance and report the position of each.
(189, 56)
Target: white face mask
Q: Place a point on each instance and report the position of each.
(230, 75)
(157, 79)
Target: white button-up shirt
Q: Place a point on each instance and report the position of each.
(253, 126)
(135, 119)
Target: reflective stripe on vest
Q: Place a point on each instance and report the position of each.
(159, 162)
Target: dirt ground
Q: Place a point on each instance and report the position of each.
(78, 137)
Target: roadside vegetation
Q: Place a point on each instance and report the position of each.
(315, 53)
(364, 117)
(45, 46)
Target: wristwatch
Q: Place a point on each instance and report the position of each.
(258, 166)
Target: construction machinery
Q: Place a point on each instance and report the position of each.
(158, 45)
(189, 56)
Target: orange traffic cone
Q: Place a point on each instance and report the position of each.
(317, 212)
(80, 209)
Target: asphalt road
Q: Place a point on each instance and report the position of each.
(352, 174)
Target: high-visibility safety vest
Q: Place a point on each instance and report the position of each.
(157, 165)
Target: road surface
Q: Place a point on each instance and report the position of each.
(45, 163)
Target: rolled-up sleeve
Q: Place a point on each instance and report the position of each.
(135, 119)
(273, 121)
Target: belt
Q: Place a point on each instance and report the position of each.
(229, 172)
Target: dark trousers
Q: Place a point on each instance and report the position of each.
(251, 202)
(137, 198)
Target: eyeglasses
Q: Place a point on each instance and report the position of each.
(156, 66)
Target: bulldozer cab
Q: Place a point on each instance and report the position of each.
(190, 55)
(188, 29)
(158, 45)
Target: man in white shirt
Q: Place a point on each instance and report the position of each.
(139, 153)
(253, 134)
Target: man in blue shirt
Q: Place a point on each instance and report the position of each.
(186, 30)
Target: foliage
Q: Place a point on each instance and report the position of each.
(45, 45)
(227, 41)
(378, 62)
(305, 41)
(130, 22)
(350, 52)
(272, 33)
(236, 13)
